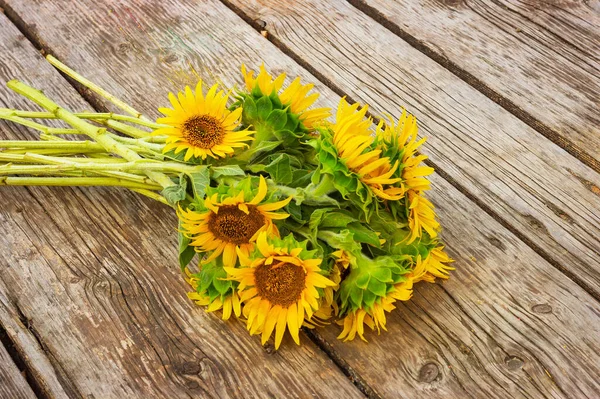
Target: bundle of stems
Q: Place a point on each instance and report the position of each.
(96, 149)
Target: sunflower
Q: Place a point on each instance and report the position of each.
(402, 137)
(295, 96)
(353, 140)
(232, 223)
(374, 318)
(421, 216)
(278, 286)
(436, 265)
(229, 303)
(202, 125)
(403, 291)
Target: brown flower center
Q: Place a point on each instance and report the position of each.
(235, 226)
(280, 284)
(203, 131)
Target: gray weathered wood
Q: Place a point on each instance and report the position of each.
(533, 185)
(94, 274)
(543, 56)
(12, 383)
(506, 325)
(391, 366)
(28, 348)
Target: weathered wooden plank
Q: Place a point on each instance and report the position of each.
(439, 331)
(94, 273)
(534, 186)
(506, 325)
(538, 58)
(12, 383)
(28, 349)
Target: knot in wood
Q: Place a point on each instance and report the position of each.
(542, 308)
(513, 362)
(429, 372)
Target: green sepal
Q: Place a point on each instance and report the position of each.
(263, 107)
(250, 110)
(276, 119)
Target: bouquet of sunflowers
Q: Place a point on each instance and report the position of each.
(296, 220)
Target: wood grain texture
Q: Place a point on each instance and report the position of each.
(29, 348)
(93, 274)
(543, 56)
(12, 383)
(533, 185)
(506, 325)
(398, 363)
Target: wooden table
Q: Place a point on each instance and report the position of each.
(508, 92)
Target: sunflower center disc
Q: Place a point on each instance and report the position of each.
(282, 284)
(235, 226)
(203, 131)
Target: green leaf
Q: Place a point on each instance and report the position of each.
(263, 146)
(175, 193)
(300, 178)
(264, 107)
(277, 119)
(186, 252)
(250, 111)
(280, 169)
(295, 211)
(377, 287)
(337, 219)
(200, 181)
(316, 217)
(364, 234)
(227, 170)
(342, 240)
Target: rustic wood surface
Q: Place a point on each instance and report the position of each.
(541, 58)
(86, 277)
(93, 273)
(12, 383)
(506, 325)
(526, 181)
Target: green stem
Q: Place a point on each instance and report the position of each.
(126, 129)
(98, 134)
(5, 112)
(57, 164)
(153, 195)
(324, 187)
(93, 87)
(138, 143)
(55, 152)
(52, 145)
(38, 126)
(74, 181)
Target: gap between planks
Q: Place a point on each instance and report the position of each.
(461, 73)
(480, 85)
(522, 115)
(95, 102)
